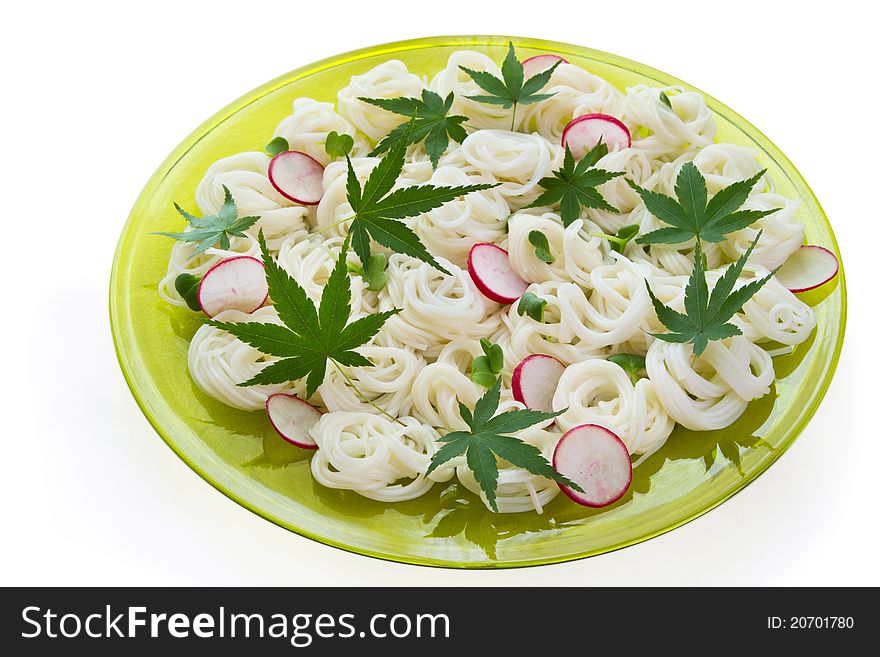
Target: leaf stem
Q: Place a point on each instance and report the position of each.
(363, 396)
(334, 224)
(610, 238)
(513, 118)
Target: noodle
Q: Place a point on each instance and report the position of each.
(597, 301)
(245, 175)
(218, 362)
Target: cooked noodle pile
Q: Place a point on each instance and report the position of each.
(597, 300)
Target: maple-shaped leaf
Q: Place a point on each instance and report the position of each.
(213, 229)
(574, 185)
(376, 208)
(310, 336)
(432, 123)
(486, 441)
(692, 215)
(707, 316)
(512, 88)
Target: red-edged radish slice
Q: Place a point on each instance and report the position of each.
(583, 133)
(237, 283)
(539, 63)
(534, 381)
(808, 268)
(297, 177)
(490, 269)
(292, 418)
(595, 459)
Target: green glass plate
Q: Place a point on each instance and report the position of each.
(240, 454)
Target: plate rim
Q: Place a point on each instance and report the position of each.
(463, 41)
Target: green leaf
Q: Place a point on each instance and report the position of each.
(489, 100)
(291, 302)
(487, 441)
(270, 339)
(706, 316)
(691, 215)
(512, 72)
(228, 211)
(338, 145)
(466, 415)
(187, 287)
(352, 358)
(574, 185)
(361, 330)
(624, 235)
(725, 300)
(289, 369)
(622, 238)
(535, 83)
(377, 277)
(360, 242)
(418, 199)
(485, 368)
(717, 231)
(456, 446)
(542, 246)
(511, 90)
(531, 305)
(481, 372)
(336, 299)
(190, 218)
(632, 364)
(671, 319)
(430, 122)
(399, 238)
(495, 88)
(481, 460)
(690, 188)
(666, 236)
(310, 337)
(404, 106)
(525, 456)
(696, 292)
(376, 208)
(486, 406)
(665, 99)
(731, 198)
(353, 190)
(517, 420)
(277, 145)
(215, 229)
(384, 175)
(494, 353)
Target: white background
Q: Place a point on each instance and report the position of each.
(95, 96)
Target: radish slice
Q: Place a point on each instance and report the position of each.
(297, 177)
(237, 283)
(808, 268)
(583, 133)
(538, 63)
(490, 269)
(534, 381)
(597, 460)
(292, 418)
